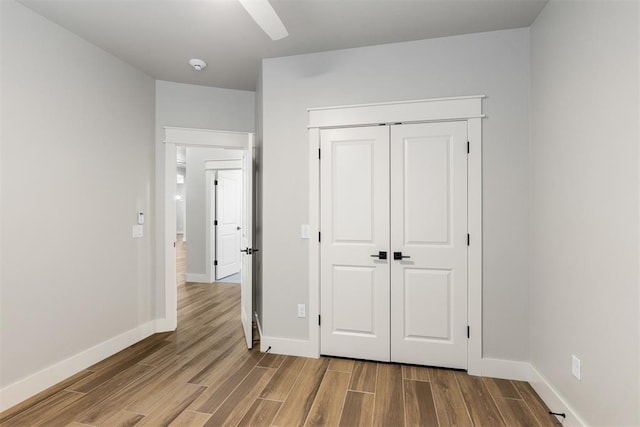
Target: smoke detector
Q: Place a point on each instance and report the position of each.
(197, 64)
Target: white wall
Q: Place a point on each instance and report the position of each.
(584, 181)
(77, 144)
(196, 203)
(495, 64)
(192, 106)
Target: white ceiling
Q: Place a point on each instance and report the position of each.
(160, 36)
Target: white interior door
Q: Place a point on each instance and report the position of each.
(354, 189)
(246, 232)
(429, 229)
(228, 217)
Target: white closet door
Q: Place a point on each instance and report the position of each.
(229, 217)
(429, 225)
(354, 191)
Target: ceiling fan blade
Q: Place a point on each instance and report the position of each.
(266, 17)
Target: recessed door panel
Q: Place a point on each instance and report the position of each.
(429, 227)
(427, 302)
(427, 190)
(354, 300)
(354, 188)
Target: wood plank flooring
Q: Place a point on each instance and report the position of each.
(203, 375)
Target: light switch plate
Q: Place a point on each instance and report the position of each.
(137, 231)
(575, 366)
(304, 231)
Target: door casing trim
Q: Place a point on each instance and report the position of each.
(176, 136)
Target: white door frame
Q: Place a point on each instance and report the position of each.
(210, 247)
(467, 109)
(174, 136)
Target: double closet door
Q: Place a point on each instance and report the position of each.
(393, 254)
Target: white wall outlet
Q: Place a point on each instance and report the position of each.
(575, 366)
(137, 231)
(304, 231)
(302, 310)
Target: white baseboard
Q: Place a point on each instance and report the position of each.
(164, 325)
(23, 389)
(288, 346)
(553, 399)
(198, 278)
(507, 369)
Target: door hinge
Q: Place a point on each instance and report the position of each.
(215, 222)
(319, 322)
(468, 147)
(318, 236)
(468, 240)
(319, 154)
(468, 331)
(215, 262)
(215, 182)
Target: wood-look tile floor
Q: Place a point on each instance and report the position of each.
(202, 374)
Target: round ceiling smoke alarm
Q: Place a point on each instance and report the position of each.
(198, 64)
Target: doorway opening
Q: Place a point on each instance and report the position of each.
(236, 152)
(208, 196)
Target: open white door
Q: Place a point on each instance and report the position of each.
(246, 283)
(228, 220)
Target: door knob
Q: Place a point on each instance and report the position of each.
(399, 256)
(380, 255)
(248, 251)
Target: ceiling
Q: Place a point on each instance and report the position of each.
(160, 36)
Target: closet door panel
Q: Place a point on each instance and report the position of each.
(354, 224)
(429, 227)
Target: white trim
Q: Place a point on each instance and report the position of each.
(198, 278)
(506, 369)
(314, 245)
(288, 346)
(223, 164)
(206, 137)
(424, 110)
(164, 325)
(45, 378)
(441, 109)
(413, 101)
(554, 399)
(210, 233)
(474, 250)
(169, 253)
(167, 258)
